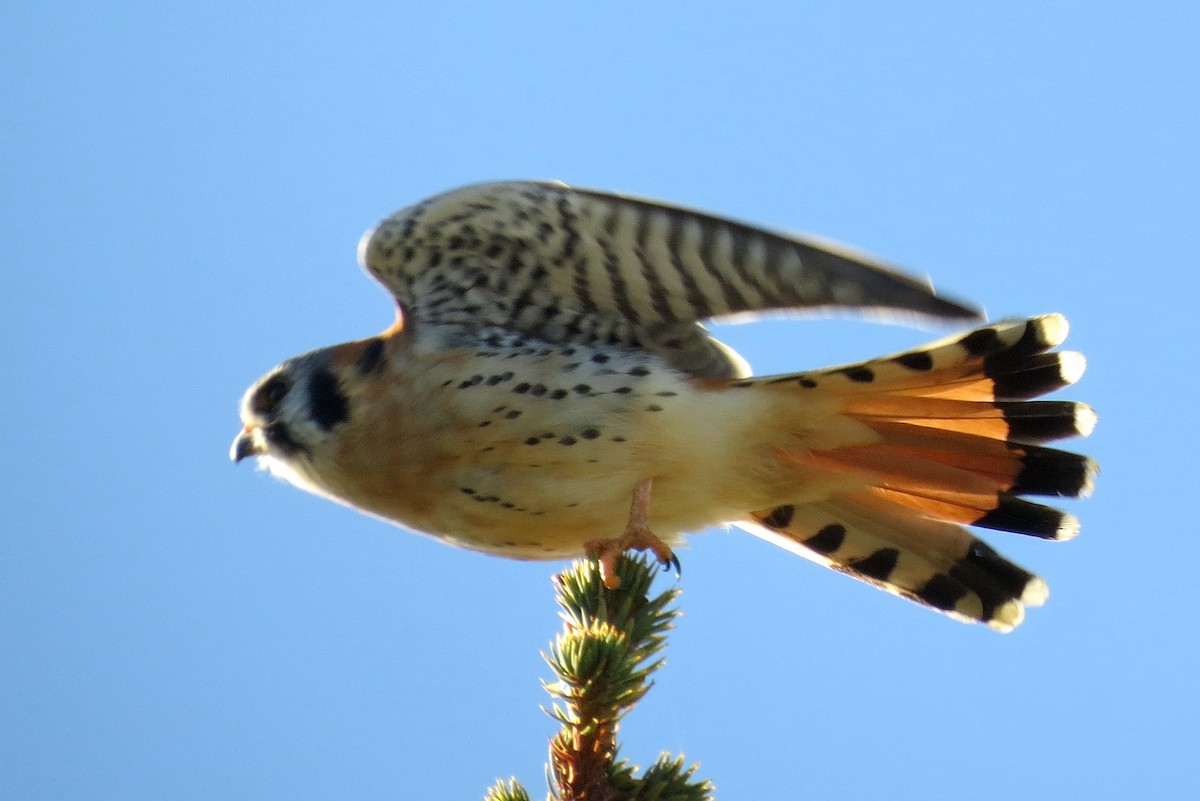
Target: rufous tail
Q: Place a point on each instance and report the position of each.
(954, 440)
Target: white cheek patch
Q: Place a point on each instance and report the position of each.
(282, 469)
(294, 474)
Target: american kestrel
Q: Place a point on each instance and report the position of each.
(547, 391)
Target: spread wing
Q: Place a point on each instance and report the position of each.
(567, 265)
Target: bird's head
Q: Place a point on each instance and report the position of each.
(292, 415)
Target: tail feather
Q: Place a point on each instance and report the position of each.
(932, 562)
(1017, 421)
(1023, 470)
(946, 493)
(1003, 361)
(952, 439)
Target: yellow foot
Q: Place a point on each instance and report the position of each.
(637, 537)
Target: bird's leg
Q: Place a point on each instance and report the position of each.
(637, 536)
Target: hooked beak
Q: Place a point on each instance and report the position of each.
(246, 444)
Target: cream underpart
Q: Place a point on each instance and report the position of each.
(708, 452)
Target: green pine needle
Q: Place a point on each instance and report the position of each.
(510, 790)
(610, 645)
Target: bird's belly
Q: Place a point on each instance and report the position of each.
(539, 511)
(538, 469)
(551, 510)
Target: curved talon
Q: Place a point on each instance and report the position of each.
(637, 537)
(607, 552)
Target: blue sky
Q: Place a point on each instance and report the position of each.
(182, 190)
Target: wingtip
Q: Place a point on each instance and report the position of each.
(949, 309)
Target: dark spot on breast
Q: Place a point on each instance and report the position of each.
(582, 389)
(496, 379)
(623, 390)
(558, 394)
(807, 383)
(521, 388)
(860, 375)
(371, 357)
(470, 382)
(915, 361)
(567, 440)
(533, 441)
(538, 390)
(590, 433)
(665, 394)
(639, 371)
(600, 358)
(326, 403)
(654, 407)
(513, 415)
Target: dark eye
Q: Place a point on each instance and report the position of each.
(270, 395)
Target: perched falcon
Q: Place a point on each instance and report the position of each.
(547, 391)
